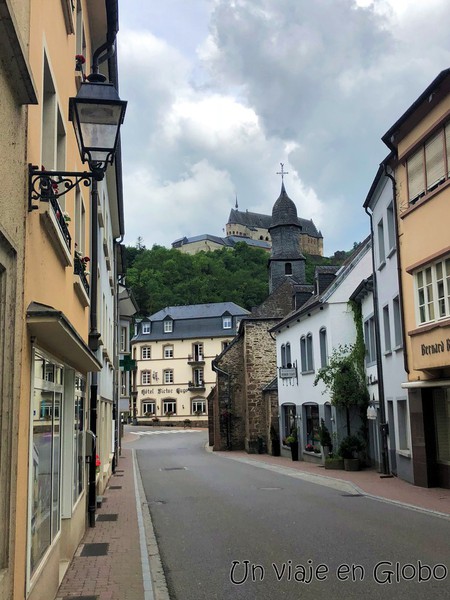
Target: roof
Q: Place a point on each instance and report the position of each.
(284, 211)
(260, 221)
(198, 311)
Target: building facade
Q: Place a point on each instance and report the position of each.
(173, 350)
(58, 371)
(380, 205)
(419, 141)
(17, 91)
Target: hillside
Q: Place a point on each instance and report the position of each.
(166, 277)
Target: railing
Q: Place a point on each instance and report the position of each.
(196, 385)
(79, 269)
(196, 358)
(60, 219)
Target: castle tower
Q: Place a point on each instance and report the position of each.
(286, 259)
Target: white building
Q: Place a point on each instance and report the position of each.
(380, 205)
(305, 340)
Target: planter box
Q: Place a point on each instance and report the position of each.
(352, 464)
(334, 463)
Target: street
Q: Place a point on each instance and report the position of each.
(227, 529)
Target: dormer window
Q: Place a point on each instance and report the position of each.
(146, 327)
(288, 268)
(226, 322)
(168, 326)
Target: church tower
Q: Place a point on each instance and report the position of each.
(286, 259)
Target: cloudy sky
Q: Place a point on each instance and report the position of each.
(220, 92)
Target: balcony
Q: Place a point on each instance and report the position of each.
(196, 386)
(196, 359)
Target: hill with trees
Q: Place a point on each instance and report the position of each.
(167, 277)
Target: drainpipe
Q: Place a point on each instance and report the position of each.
(383, 430)
(228, 376)
(116, 384)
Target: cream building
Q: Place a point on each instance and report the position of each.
(420, 139)
(49, 368)
(17, 91)
(173, 350)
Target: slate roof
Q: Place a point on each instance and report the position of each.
(194, 321)
(284, 211)
(229, 241)
(257, 220)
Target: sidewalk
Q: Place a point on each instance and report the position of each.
(124, 534)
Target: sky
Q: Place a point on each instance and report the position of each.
(220, 92)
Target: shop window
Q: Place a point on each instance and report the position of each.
(403, 425)
(442, 424)
(148, 408)
(170, 407)
(288, 419)
(311, 416)
(199, 406)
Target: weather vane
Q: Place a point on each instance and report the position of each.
(282, 172)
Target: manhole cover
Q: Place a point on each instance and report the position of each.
(107, 517)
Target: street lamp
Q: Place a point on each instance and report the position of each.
(97, 113)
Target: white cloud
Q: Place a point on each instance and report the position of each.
(312, 84)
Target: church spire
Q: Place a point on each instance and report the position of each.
(236, 203)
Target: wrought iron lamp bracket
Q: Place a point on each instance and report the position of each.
(47, 185)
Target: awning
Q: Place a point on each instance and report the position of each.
(430, 383)
(54, 333)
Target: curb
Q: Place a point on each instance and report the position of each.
(158, 584)
(342, 484)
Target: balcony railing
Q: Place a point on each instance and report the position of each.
(60, 219)
(196, 385)
(196, 358)
(79, 269)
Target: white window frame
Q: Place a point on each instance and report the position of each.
(168, 376)
(227, 322)
(369, 341)
(432, 291)
(168, 351)
(146, 377)
(168, 326)
(169, 406)
(201, 402)
(146, 404)
(146, 327)
(387, 330)
(146, 352)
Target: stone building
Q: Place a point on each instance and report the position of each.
(244, 403)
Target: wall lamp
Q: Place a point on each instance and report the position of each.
(97, 113)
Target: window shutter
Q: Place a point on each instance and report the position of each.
(434, 160)
(416, 179)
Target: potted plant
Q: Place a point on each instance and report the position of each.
(309, 448)
(292, 442)
(349, 449)
(333, 461)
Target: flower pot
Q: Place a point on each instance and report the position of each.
(334, 463)
(294, 450)
(351, 464)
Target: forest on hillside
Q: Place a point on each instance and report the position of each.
(162, 277)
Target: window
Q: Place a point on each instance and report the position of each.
(146, 352)
(403, 425)
(288, 422)
(288, 268)
(397, 324)
(286, 356)
(323, 347)
(197, 351)
(168, 326)
(146, 327)
(433, 292)
(168, 352)
(380, 240)
(146, 377)
(199, 406)
(170, 407)
(391, 227)
(225, 345)
(311, 412)
(426, 167)
(78, 439)
(306, 353)
(197, 377)
(387, 329)
(148, 408)
(226, 322)
(123, 383)
(123, 339)
(168, 376)
(369, 341)
(45, 459)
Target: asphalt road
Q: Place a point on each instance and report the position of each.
(229, 530)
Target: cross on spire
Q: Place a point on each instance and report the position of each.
(282, 172)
